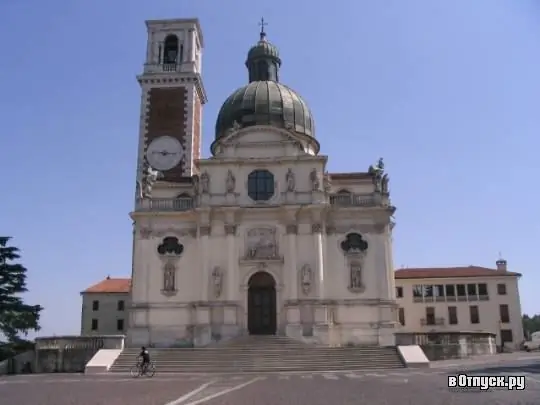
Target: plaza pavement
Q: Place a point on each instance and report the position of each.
(403, 387)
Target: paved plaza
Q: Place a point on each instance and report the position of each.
(407, 386)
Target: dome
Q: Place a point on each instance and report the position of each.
(263, 49)
(265, 102)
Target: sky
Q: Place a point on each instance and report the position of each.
(447, 92)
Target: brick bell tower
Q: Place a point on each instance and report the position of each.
(172, 99)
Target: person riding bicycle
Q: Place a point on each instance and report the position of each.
(145, 356)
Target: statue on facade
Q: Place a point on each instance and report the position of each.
(314, 178)
(306, 277)
(205, 183)
(376, 172)
(148, 179)
(356, 276)
(196, 184)
(234, 129)
(384, 183)
(230, 183)
(289, 178)
(169, 277)
(327, 182)
(217, 281)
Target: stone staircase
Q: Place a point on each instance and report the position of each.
(264, 354)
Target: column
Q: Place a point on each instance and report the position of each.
(316, 230)
(230, 232)
(204, 232)
(292, 230)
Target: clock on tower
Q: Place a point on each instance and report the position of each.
(172, 98)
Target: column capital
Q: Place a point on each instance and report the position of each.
(205, 230)
(316, 228)
(230, 229)
(291, 229)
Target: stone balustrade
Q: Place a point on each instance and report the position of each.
(186, 203)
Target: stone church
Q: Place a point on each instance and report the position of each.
(259, 238)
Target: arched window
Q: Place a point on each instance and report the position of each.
(260, 185)
(344, 191)
(170, 54)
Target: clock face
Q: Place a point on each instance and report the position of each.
(164, 153)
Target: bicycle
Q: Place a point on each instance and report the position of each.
(139, 371)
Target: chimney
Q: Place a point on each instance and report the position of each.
(501, 265)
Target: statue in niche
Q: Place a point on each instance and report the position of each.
(314, 178)
(261, 243)
(356, 276)
(205, 182)
(217, 281)
(148, 179)
(306, 277)
(169, 277)
(289, 178)
(230, 183)
(196, 184)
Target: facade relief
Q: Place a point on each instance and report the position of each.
(230, 183)
(261, 244)
(356, 284)
(306, 279)
(217, 282)
(205, 183)
(290, 180)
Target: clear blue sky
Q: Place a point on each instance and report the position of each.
(448, 92)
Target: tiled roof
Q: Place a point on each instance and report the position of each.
(449, 272)
(111, 285)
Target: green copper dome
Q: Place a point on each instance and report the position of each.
(265, 101)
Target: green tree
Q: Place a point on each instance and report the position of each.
(16, 317)
(531, 324)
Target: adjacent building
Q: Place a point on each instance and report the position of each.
(461, 299)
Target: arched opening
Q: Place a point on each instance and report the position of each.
(262, 311)
(170, 54)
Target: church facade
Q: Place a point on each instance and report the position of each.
(259, 238)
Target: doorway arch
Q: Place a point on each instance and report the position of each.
(262, 306)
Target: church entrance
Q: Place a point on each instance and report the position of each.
(262, 312)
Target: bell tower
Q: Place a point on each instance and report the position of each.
(172, 98)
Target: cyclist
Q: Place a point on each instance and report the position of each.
(145, 356)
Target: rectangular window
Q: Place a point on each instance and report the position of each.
(430, 316)
(501, 289)
(471, 292)
(120, 305)
(475, 318)
(120, 324)
(506, 336)
(399, 292)
(402, 316)
(461, 292)
(438, 292)
(452, 316)
(418, 293)
(428, 291)
(504, 313)
(450, 290)
(482, 289)
(95, 305)
(94, 324)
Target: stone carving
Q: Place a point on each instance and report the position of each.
(314, 178)
(291, 229)
(170, 247)
(261, 244)
(316, 228)
(330, 229)
(377, 172)
(355, 277)
(196, 185)
(217, 281)
(384, 184)
(230, 229)
(204, 230)
(327, 182)
(169, 277)
(230, 183)
(148, 179)
(306, 278)
(205, 183)
(145, 233)
(291, 182)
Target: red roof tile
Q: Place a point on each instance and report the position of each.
(111, 285)
(448, 272)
